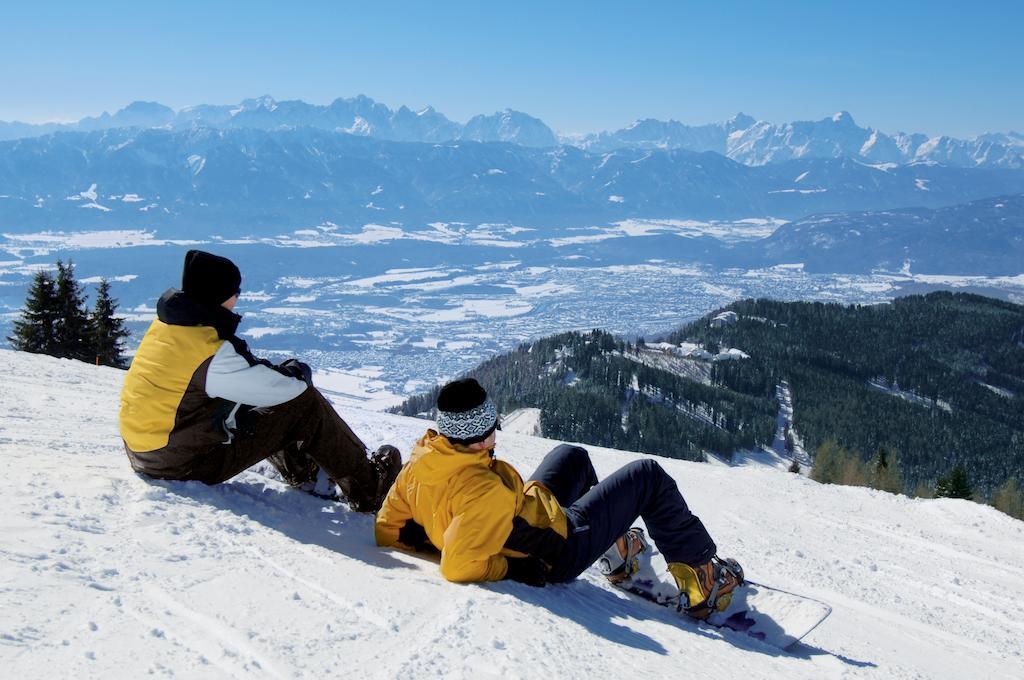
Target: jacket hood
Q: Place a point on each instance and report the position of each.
(438, 459)
(177, 309)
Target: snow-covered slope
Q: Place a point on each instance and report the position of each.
(105, 574)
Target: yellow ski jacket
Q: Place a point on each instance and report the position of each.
(474, 508)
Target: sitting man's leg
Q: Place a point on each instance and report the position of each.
(299, 437)
(567, 472)
(642, 488)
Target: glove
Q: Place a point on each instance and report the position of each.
(528, 570)
(297, 369)
(412, 535)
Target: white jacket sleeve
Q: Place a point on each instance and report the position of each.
(231, 377)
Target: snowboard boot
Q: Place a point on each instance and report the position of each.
(622, 559)
(387, 461)
(708, 587)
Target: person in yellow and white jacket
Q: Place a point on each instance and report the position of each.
(196, 403)
(454, 495)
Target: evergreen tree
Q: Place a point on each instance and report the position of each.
(853, 471)
(73, 327)
(1009, 498)
(36, 331)
(885, 473)
(107, 329)
(954, 485)
(828, 462)
(923, 491)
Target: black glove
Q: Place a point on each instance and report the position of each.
(412, 535)
(297, 369)
(528, 570)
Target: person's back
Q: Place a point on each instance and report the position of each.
(197, 404)
(185, 388)
(472, 507)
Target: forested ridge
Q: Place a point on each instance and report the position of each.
(592, 387)
(937, 381)
(937, 378)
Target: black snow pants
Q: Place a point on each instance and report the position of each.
(298, 438)
(600, 512)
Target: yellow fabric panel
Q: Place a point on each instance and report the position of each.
(541, 509)
(473, 540)
(394, 512)
(160, 372)
(534, 502)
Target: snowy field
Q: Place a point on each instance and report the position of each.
(105, 574)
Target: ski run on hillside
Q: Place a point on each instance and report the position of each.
(104, 574)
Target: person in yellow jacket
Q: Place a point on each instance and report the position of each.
(455, 496)
(197, 405)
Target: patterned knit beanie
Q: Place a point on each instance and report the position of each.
(464, 413)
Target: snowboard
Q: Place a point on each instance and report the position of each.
(776, 617)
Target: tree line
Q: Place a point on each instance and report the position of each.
(594, 388)
(924, 395)
(938, 378)
(834, 464)
(56, 320)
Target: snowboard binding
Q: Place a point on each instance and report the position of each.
(706, 588)
(622, 559)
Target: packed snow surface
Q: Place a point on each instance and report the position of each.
(106, 574)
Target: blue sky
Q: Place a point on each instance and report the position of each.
(936, 67)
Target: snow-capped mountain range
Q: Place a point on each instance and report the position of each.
(252, 181)
(360, 116)
(741, 138)
(757, 142)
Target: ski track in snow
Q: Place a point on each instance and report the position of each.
(106, 574)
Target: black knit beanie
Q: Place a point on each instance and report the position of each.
(210, 279)
(464, 413)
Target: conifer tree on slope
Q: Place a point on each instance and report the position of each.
(885, 473)
(73, 332)
(107, 329)
(954, 485)
(36, 330)
(1009, 498)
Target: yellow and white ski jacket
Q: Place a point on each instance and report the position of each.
(190, 385)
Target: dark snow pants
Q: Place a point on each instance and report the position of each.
(601, 512)
(298, 438)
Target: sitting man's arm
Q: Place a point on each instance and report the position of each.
(296, 369)
(237, 376)
(395, 526)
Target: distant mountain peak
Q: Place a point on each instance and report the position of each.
(509, 126)
(844, 117)
(140, 106)
(264, 102)
(741, 120)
